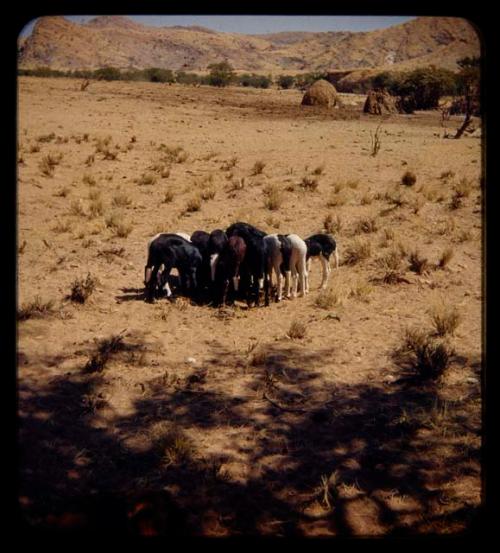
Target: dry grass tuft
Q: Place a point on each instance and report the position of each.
(297, 330)
(81, 289)
(193, 204)
(147, 179)
(445, 318)
(331, 297)
(273, 197)
(366, 225)
(408, 179)
(332, 225)
(258, 167)
(417, 263)
(309, 183)
(35, 309)
(168, 196)
(121, 199)
(445, 258)
(358, 251)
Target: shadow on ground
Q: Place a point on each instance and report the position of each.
(326, 460)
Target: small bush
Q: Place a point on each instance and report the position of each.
(62, 192)
(319, 170)
(81, 289)
(297, 330)
(89, 179)
(445, 258)
(96, 208)
(418, 264)
(408, 179)
(366, 199)
(121, 199)
(332, 297)
(208, 193)
(77, 208)
(258, 167)
(147, 179)
(273, 197)
(308, 183)
(35, 309)
(193, 204)
(62, 226)
(366, 225)
(358, 251)
(445, 318)
(168, 196)
(331, 225)
(106, 348)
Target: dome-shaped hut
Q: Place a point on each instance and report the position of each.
(321, 93)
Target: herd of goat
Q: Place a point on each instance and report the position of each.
(238, 261)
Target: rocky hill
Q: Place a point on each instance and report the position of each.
(120, 42)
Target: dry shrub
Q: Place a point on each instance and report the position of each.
(445, 258)
(416, 204)
(417, 263)
(46, 137)
(121, 199)
(193, 204)
(331, 297)
(366, 225)
(118, 226)
(391, 261)
(62, 226)
(309, 183)
(48, 163)
(171, 444)
(208, 193)
(332, 225)
(361, 291)
(297, 330)
(89, 179)
(408, 179)
(34, 148)
(62, 192)
(96, 208)
(81, 289)
(388, 235)
(366, 198)
(258, 167)
(357, 251)
(173, 154)
(77, 208)
(35, 309)
(446, 175)
(445, 318)
(427, 357)
(105, 349)
(147, 179)
(273, 197)
(168, 196)
(319, 170)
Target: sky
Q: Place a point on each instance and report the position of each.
(256, 24)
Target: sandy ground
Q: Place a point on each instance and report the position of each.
(210, 421)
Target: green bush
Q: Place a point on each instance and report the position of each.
(107, 74)
(158, 75)
(221, 74)
(286, 81)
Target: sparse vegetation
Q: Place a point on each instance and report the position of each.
(445, 318)
(273, 197)
(81, 289)
(297, 330)
(258, 167)
(418, 264)
(309, 183)
(358, 251)
(445, 258)
(193, 204)
(37, 308)
(408, 179)
(332, 225)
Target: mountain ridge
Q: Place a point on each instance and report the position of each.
(120, 42)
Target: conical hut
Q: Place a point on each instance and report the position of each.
(321, 93)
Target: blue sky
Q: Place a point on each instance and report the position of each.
(253, 24)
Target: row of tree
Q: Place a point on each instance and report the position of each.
(419, 89)
(220, 74)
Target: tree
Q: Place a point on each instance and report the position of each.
(221, 74)
(286, 81)
(469, 88)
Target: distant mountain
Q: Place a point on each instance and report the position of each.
(120, 42)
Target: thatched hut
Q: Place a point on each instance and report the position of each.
(321, 93)
(379, 103)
